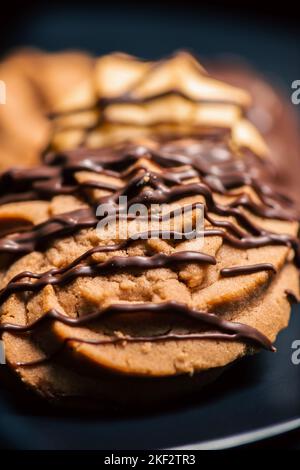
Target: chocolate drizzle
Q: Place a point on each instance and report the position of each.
(247, 269)
(231, 331)
(65, 275)
(177, 166)
(154, 190)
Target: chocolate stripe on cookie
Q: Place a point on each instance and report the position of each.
(231, 331)
(247, 269)
(140, 189)
(116, 263)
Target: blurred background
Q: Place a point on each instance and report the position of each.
(266, 36)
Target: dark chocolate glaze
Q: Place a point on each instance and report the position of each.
(232, 331)
(218, 171)
(159, 192)
(247, 269)
(116, 263)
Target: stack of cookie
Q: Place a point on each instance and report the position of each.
(145, 314)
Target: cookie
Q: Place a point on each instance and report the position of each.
(36, 84)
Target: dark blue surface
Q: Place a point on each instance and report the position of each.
(153, 30)
(259, 391)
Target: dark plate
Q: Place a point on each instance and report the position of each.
(259, 396)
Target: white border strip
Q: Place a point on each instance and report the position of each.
(2, 352)
(245, 438)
